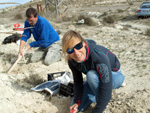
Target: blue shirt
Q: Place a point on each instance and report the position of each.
(43, 33)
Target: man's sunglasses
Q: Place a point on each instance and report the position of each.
(78, 46)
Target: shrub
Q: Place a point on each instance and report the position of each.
(147, 32)
(18, 16)
(87, 20)
(120, 10)
(129, 2)
(66, 18)
(126, 27)
(109, 19)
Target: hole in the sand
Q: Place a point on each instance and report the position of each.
(34, 79)
(29, 81)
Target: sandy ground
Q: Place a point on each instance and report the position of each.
(130, 45)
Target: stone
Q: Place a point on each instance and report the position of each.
(37, 56)
(52, 57)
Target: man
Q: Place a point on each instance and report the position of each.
(44, 36)
(101, 67)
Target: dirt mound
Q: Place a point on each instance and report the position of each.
(124, 37)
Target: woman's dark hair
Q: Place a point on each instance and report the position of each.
(31, 11)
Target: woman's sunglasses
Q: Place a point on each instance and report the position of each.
(78, 46)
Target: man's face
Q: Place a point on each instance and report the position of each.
(32, 20)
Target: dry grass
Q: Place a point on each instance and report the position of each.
(120, 10)
(126, 27)
(87, 20)
(34, 79)
(129, 2)
(18, 16)
(147, 32)
(30, 81)
(109, 19)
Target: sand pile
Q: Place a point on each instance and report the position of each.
(131, 46)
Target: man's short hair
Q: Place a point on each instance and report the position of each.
(31, 11)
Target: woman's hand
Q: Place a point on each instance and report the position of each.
(74, 108)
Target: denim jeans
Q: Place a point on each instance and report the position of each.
(91, 87)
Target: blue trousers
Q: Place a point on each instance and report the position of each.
(92, 86)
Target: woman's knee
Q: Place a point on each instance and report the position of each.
(121, 80)
(93, 78)
(92, 74)
(118, 81)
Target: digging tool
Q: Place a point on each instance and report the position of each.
(18, 59)
(15, 25)
(22, 29)
(12, 33)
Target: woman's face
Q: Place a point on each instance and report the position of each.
(78, 54)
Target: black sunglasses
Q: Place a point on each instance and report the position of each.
(78, 46)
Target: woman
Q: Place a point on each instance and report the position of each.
(102, 69)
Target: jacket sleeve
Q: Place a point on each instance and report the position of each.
(104, 70)
(27, 33)
(78, 83)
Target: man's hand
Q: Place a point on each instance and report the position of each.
(73, 108)
(22, 44)
(21, 52)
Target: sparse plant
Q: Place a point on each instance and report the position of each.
(34, 79)
(87, 20)
(120, 10)
(144, 66)
(133, 51)
(109, 19)
(104, 14)
(43, 14)
(85, 34)
(129, 2)
(18, 16)
(3, 12)
(147, 32)
(51, 9)
(66, 18)
(126, 27)
(74, 18)
(1, 53)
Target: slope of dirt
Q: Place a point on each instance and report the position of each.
(125, 37)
